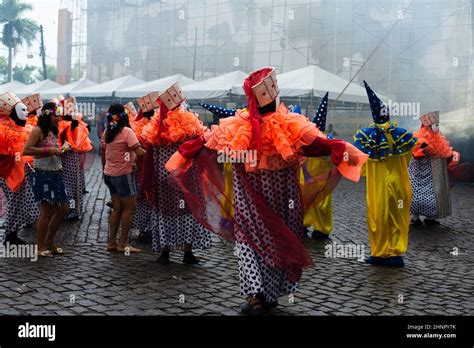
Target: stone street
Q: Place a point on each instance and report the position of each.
(438, 278)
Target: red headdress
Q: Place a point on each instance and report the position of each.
(261, 89)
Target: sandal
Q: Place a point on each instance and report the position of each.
(57, 251)
(46, 253)
(130, 249)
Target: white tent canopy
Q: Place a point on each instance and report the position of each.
(215, 87)
(37, 87)
(153, 86)
(67, 89)
(316, 81)
(108, 88)
(13, 86)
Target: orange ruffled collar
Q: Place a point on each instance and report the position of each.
(438, 146)
(179, 126)
(282, 135)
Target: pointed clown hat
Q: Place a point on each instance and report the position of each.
(218, 110)
(320, 118)
(380, 112)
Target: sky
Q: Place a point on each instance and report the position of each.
(44, 12)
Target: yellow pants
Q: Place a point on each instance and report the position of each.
(388, 205)
(319, 215)
(227, 210)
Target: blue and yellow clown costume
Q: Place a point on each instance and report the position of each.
(389, 190)
(319, 215)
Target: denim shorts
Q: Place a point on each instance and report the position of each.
(48, 186)
(124, 185)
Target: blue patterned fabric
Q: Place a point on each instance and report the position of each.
(373, 141)
(49, 186)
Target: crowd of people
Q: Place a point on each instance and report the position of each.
(177, 181)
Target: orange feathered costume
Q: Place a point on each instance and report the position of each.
(12, 142)
(78, 137)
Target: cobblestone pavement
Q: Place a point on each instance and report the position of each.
(91, 281)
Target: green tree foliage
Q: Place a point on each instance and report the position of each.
(17, 30)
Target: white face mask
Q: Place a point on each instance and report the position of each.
(277, 101)
(435, 127)
(21, 111)
(74, 116)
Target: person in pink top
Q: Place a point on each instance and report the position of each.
(120, 149)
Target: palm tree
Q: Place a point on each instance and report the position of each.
(16, 29)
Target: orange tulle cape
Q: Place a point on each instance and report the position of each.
(438, 146)
(282, 135)
(32, 120)
(138, 126)
(179, 126)
(78, 138)
(12, 142)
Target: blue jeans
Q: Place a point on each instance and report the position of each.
(49, 186)
(124, 185)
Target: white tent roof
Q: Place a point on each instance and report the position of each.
(67, 89)
(215, 87)
(316, 81)
(11, 87)
(153, 86)
(37, 87)
(107, 89)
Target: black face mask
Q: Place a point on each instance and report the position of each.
(268, 108)
(74, 123)
(149, 114)
(15, 119)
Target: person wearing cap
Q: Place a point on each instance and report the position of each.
(15, 168)
(388, 184)
(48, 184)
(138, 121)
(433, 159)
(265, 145)
(173, 225)
(319, 215)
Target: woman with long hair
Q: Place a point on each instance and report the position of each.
(120, 147)
(48, 183)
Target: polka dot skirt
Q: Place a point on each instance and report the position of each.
(281, 191)
(72, 180)
(172, 223)
(142, 216)
(21, 209)
(421, 178)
